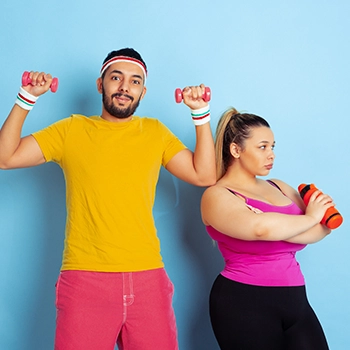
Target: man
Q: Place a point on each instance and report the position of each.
(112, 286)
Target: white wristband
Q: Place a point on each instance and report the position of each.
(201, 116)
(25, 100)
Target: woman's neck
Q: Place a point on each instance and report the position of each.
(238, 179)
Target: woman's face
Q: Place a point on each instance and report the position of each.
(258, 156)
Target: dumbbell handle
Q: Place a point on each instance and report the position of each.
(332, 218)
(206, 96)
(26, 80)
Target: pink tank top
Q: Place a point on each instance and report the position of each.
(261, 263)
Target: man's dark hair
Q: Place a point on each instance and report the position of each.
(128, 52)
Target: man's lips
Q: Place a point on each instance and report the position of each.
(122, 97)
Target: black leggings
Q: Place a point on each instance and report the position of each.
(246, 317)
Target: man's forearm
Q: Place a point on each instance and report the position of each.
(10, 133)
(204, 155)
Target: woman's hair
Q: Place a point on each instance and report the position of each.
(233, 127)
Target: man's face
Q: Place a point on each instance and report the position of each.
(122, 90)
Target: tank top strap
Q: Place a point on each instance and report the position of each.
(237, 193)
(275, 185)
(245, 197)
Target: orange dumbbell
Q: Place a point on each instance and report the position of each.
(332, 218)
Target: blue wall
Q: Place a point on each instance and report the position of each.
(285, 60)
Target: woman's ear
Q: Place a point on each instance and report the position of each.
(235, 150)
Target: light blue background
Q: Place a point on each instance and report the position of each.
(287, 61)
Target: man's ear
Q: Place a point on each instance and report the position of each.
(143, 92)
(235, 150)
(99, 85)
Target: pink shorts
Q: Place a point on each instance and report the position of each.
(96, 310)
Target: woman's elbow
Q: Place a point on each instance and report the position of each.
(261, 233)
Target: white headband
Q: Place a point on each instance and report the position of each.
(124, 59)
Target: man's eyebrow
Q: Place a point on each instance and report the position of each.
(120, 72)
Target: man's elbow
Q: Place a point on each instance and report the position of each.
(3, 165)
(8, 165)
(206, 181)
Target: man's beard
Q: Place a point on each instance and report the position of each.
(117, 112)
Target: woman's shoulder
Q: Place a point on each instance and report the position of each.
(214, 189)
(222, 193)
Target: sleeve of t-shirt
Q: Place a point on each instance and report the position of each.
(172, 144)
(52, 138)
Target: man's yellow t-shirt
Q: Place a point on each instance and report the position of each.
(111, 171)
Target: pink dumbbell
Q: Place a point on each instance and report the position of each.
(206, 96)
(26, 81)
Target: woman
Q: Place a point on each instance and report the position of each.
(259, 300)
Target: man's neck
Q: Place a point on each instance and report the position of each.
(113, 119)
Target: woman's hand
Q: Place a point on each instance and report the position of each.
(318, 204)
